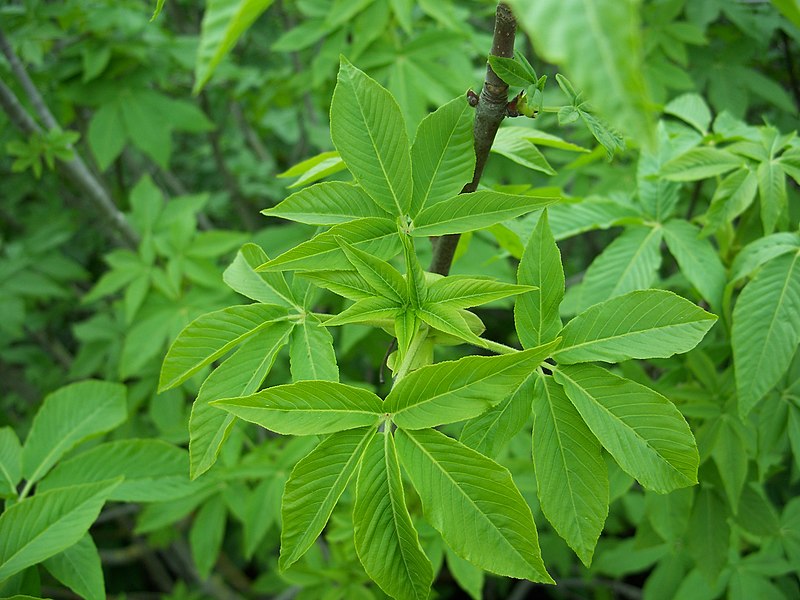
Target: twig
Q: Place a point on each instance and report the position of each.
(27, 85)
(489, 113)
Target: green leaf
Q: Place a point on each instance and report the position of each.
(314, 488)
(473, 502)
(461, 291)
(157, 11)
(568, 219)
(376, 236)
(347, 284)
(385, 538)
(657, 195)
(789, 9)
(368, 309)
(240, 375)
(734, 194)
(450, 321)
(154, 470)
(380, 275)
(708, 533)
(599, 44)
(327, 204)
(416, 282)
(315, 168)
(772, 193)
(106, 135)
(511, 71)
(224, 21)
(698, 259)
(369, 132)
(79, 568)
(766, 328)
(48, 523)
(536, 313)
(628, 263)
(700, 163)
(515, 144)
(307, 408)
(642, 324)
(311, 353)
(68, 416)
(571, 475)
(144, 127)
(442, 154)
(269, 288)
(469, 577)
(454, 391)
(490, 432)
(468, 212)
(730, 455)
(642, 430)
(10, 462)
(762, 250)
(692, 109)
(211, 336)
(207, 534)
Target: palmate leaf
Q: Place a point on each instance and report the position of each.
(327, 204)
(459, 291)
(314, 487)
(369, 132)
(642, 430)
(311, 352)
(442, 154)
(386, 541)
(307, 408)
(473, 502)
(641, 324)
(210, 336)
(67, 417)
(48, 523)
(476, 210)
(453, 391)
(240, 375)
(766, 328)
(536, 313)
(571, 475)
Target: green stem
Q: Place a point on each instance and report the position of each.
(408, 359)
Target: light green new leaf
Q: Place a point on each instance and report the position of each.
(734, 194)
(512, 71)
(327, 204)
(369, 132)
(536, 313)
(314, 488)
(628, 263)
(48, 523)
(698, 259)
(385, 538)
(224, 21)
(347, 284)
(766, 328)
(368, 309)
(771, 193)
(641, 324)
(154, 470)
(211, 336)
(454, 391)
(269, 288)
(451, 321)
(442, 154)
(67, 417)
(701, 163)
(307, 408)
(599, 44)
(380, 275)
(240, 375)
(459, 291)
(515, 144)
(376, 236)
(468, 577)
(490, 432)
(79, 568)
(657, 196)
(642, 430)
(10, 461)
(416, 282)
(468, 212)
(311, 353)
(473, 502)
(692, 109)
(315, 168)
(571, 475)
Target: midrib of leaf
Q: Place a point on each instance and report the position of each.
(633, 260)
(308, 347)
(7, 474)
(469, 500)
(438, 165)
(621, 423)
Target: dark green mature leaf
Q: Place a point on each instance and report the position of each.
(772, 193)
(641, 324)
(473, 502)
(454, 391)
(369, 132)
(207, 534)
(442, 154)
(459, 291)
(79, 568)
(698, 259)
(327, 204)
(314, 487)
(10, 461)
(761, 251)
(766, 328)
(48, 523)
(307, 408)
(311, 353)
(536, 313)
(571, 475)
(385, 538)
(640, 428)
(211, 336)
(67, 417)
(709, 533)
(476, 210)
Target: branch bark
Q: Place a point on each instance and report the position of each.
(489, 113)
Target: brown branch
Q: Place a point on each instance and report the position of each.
(489, 113)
